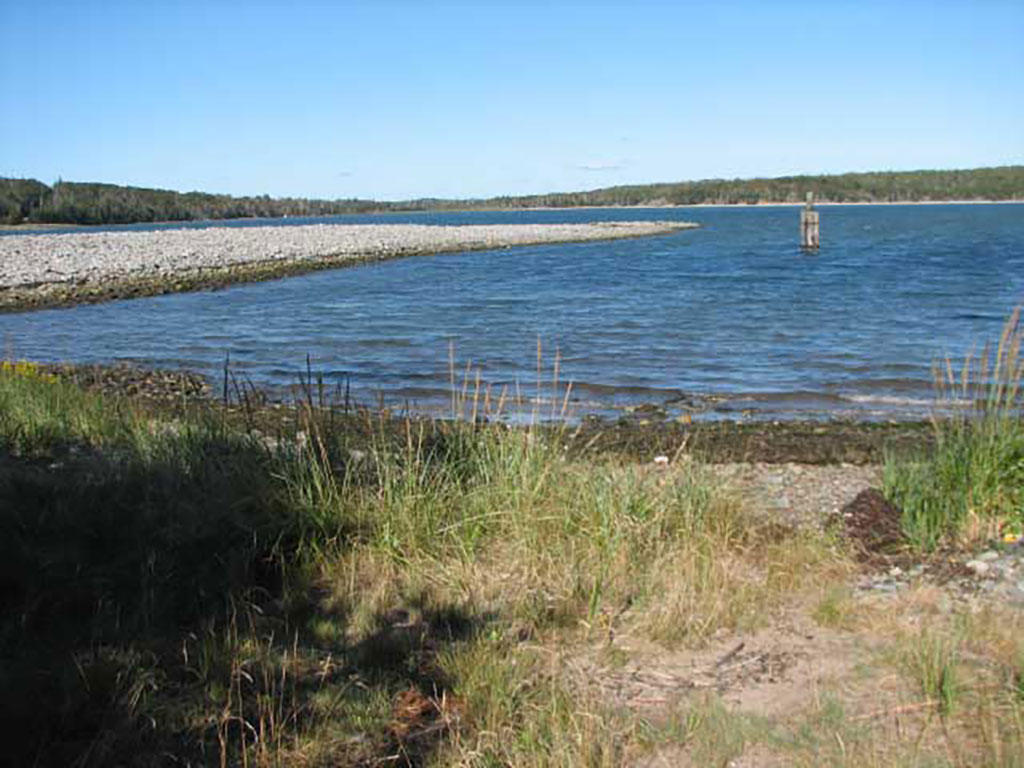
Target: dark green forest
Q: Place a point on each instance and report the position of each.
(1005, 183)
(30, 201)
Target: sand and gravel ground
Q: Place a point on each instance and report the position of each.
(833, 677)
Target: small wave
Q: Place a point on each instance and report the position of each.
(638, 390)
(387, 342)
(979, 316)
(893, 400)
(905, 402)
(892, 384)
(797, 396)
(419, 393)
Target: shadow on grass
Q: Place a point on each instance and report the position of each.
(156, 609)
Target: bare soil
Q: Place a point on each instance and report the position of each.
(775, 683)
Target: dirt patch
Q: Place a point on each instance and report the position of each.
(777, 670)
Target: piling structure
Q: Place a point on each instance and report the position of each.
(809, 225)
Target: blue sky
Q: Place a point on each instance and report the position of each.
(394, 100)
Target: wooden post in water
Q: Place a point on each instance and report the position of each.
(809, 225)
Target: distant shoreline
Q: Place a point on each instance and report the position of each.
(741, 205)
(57, 227)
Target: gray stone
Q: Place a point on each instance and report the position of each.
(989, 556)
(888, 586)
(978, 567)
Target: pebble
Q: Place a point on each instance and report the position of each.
(1000, 570)
(994, 573)
(888, 586)
(979, 567)
(802, 495)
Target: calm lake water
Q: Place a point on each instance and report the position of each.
(730, 320)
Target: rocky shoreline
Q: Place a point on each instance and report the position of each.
(769, 443)
(60, 269)
(126, 380)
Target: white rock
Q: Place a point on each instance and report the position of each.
(979, 567)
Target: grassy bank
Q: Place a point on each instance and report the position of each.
(182, 584)
(178, 585)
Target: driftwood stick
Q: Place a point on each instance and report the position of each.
(744, 663)
(731, 654)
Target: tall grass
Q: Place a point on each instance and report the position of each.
(178, 582)
(973, 483)
(931, 660)
(552, 540)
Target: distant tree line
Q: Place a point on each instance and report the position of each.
(31, 201)
(28, 200)
(1005, 183)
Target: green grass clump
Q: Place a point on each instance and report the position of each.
(518, 710)
(574, 540)
(836, 609)
(931, 660)
(972, 485)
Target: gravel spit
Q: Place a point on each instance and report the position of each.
(30, 261)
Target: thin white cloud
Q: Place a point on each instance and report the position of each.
(600, 166)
